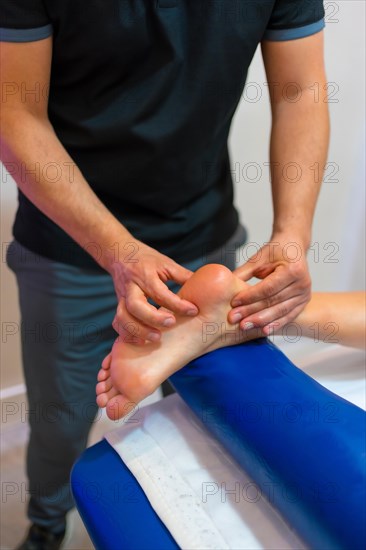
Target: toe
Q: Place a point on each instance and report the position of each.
(106, 363)
(104, 386)
(103, 375)
(102, 400)
(119, 406)
(105, 397)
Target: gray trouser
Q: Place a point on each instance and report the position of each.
(66, 316)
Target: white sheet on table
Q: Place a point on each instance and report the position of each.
(342, 370)
(201, 495)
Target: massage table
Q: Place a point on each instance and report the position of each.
(251, 452)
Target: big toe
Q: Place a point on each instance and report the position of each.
(119, 406)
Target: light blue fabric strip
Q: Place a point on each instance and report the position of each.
(25, 35)
(292, 34)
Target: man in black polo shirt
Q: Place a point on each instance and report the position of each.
(115, 120)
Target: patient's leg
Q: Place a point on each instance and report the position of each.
(130, 373)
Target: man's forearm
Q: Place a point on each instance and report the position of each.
(298, 152)
(47, 175)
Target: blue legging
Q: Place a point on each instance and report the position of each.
(303, 445)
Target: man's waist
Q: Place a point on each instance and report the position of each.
(178, 239)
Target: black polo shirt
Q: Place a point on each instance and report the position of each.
(142, 96)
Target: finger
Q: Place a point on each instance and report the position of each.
(150, 316)
(132, 330)
(273, 314)
(239, 313)
(178, 273)
(141, 310)
(245, 272)
(279, 279)
(280, 323)
(164, 297)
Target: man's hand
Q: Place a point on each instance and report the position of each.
(284, 291)
(142, 275)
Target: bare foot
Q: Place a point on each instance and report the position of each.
(130, 373)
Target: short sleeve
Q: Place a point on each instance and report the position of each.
(23, 21)
(292, 19)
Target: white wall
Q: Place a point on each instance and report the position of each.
(340, 212)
